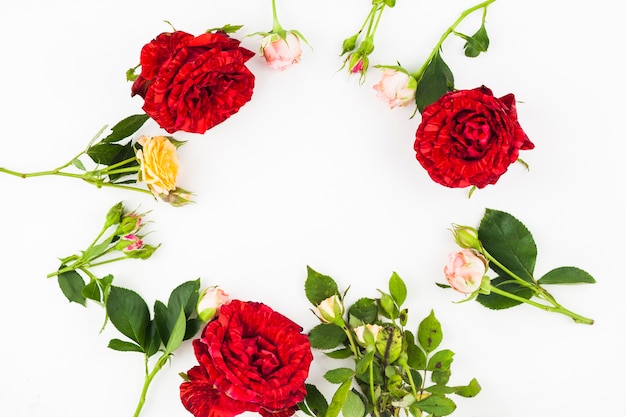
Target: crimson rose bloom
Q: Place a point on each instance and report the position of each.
(251, 358)
(469, 137)
(193, 83)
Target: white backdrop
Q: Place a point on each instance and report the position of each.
(315, 170)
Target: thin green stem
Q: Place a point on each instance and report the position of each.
(149, 377)
(276, 27)
(372, 391)
(418, 74)
(411, 382)
(556, 308)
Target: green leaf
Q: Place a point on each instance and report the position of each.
(436, 81)
(104, 153)
(416, 356)
(389, 343)
(397, 288)
(364, 363)
(495, 301)
(315, 401)
(72, 285)
(98, 249)
(92, 291)
(353, 406)
(193, 326)
(508, 241)
(339, 353)
(126, 127)
(477, 43)
(441, 360)
(470, 390)
(319, 287)
(78, 164)
(436, 405)
(339, 399)
(123, 346)
(129, 313)
(185, 296)
(161, 320)
(339, 375)
(429, 333)
(127, 152)
(326, 336)
(153, 340)
(178, 333)
(567, 275)
(365, 310)
(441, 377)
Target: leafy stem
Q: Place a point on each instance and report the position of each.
(418, 74)
(556, 307)
(148, 379)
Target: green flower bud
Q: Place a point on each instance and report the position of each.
(349, 44)
(389, 343)
(467, 237)
(114, 215)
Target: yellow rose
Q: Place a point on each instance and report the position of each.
(159, 164)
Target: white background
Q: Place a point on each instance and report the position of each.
(315, 170)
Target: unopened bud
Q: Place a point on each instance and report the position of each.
(114, 215)
(331, 310)
(210, 301)
(466, 237)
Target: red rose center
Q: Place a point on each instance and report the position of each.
(262, 355)
(472, 137)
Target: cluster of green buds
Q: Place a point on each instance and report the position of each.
(120, 238)
(396, 371)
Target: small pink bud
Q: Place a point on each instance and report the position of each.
(279, 53)
(210, 301)
(130, 243)
(396, 88)
(465, 270)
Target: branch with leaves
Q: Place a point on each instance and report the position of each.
(503, 244)
(395, 369)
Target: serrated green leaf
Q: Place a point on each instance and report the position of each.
(339, 353)
(326, 336)
(92, 291)
(123, 346)
(510, 242)
(318, 287)
(177, 334)
(185, 297)
(364, 363)
(416, 356)
(339, 399)
(104, 153)
(338, 375)
(436, 405)
(470, 390)
(567, 275)
(72, 284)
(365, 310)
(193, 326)
(429, 333)
(314, 401)
(495, 301)
(441, 377)
(129, 313)
(397, 289)
(353, 406)
(436, 81)
(152, 339)
(161, 320)
(477, 43)
(126, 127)
(441, 360)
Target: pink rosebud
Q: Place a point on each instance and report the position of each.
(131, 242)
(465, 270)
(210, 301)
(280, 53)
(396, 88)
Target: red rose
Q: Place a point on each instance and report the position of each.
(251, 358)
(469, 137)
(193, 83)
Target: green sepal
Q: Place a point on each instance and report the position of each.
(477, 43)
(567, 275)
(319, 287)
